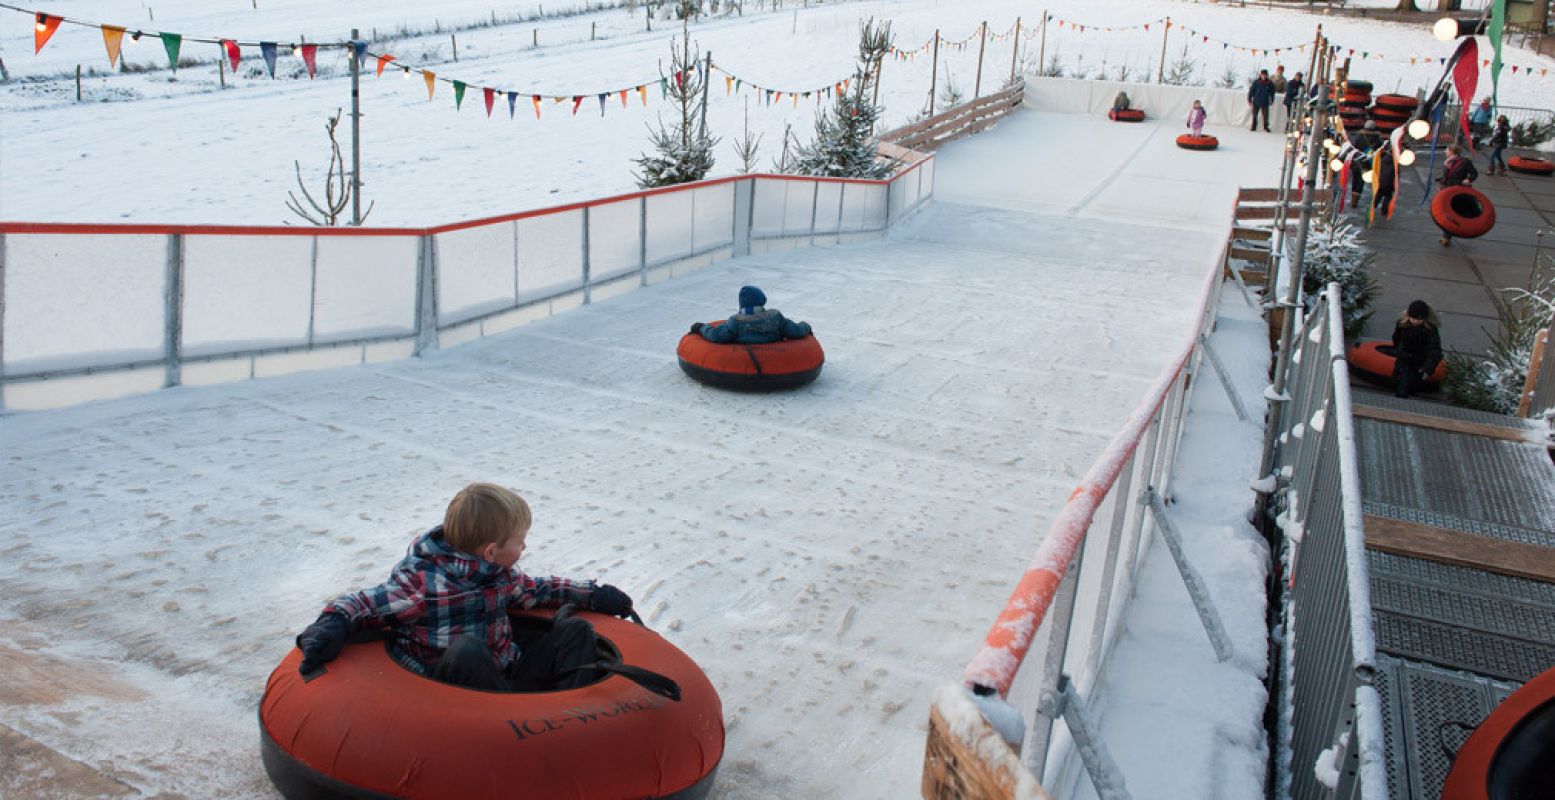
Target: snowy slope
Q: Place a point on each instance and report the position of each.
(830, 556)
(148, 148)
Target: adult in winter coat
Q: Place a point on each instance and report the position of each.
(755, 324)
(1278, 80)
(1479, 121)
(1417, 348)
(1366, 141)
(1458, 171)
(1293, 92)
(1382, 188)
(1260, 96)
(1499, 139)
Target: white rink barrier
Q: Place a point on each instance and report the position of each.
(95, 311)
(1160, 101)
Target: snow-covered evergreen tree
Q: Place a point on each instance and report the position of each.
(1336, 253)
(1495, 383)
(684, 152)
(845, 144)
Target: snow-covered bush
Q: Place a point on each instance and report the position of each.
(1335, 253)
(1180, 71)
(845, 144)
(1495, 383)
(950, 95)
(1533, 132)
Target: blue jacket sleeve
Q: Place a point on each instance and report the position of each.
(720, 334)
(794, 330)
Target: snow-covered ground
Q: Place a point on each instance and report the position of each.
(830, 556)
(145, 147)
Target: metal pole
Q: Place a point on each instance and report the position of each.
(977, 82)
(934, 72)
(1292, 303)
(356, 131)
(1288, 165)
(1042, 47)
(1160, 68)
(707, 74)
(1015, 50)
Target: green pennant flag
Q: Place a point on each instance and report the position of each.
(664, 87)
(172, 41)
(1494, 31)
(458, 94)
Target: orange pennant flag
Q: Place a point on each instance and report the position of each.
(642, 92)
(113, 39)
(536, 98)
(431, 79)
(728, 85)
(43, 29)
(383, 61)
(623, 98)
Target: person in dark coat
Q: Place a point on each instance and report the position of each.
(1260, 96)
(1459, 170)
(1382, 189)
(1293, 89)
(755, 324)
(1417, 348)
(1499, 139)
(1366, 140)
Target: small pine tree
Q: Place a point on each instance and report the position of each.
(845, 144)
(1335, 252)
(1227, 79)
(950, 95)
(1495, 383)
(684, 153)
(1180, 72)
(1054, 68)
(749, 144)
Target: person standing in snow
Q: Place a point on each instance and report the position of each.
(754, 324)
(1293, 93)
(1279, 79)
(446, 605)
(1260, 96)
(1196, 117)
(1416, 350)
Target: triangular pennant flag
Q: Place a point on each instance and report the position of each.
(778, 97)
(602, 103)
(359, 50)
(577, 100)
(172, 42)
(230, 47)
(113, 39)
(642, 94)
(739, 85)
(794, 97)
(490, 96)
(664, 88)
(769, 96)
(728, 85)
(310, 56)
(431, 78)
(623, 98)
(267, 51)
(458, 94)
(383, 61)
(1147, 26)
(1514, 69)
(1206, 40)
(537, 105)
(1495, 32)
(512, 103)
(44, 28)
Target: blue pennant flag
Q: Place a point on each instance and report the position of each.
(267, 49)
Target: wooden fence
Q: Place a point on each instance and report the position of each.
(964, 120)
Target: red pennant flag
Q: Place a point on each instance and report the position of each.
(233, 54)
(383, 61)
(491, 97)
(43, 29)
(1147, 26)
(1464, 78)
(623, 98)
(577, 100)
(310, 54)
(537, 106)
(1514, 69)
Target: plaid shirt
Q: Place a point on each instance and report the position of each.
(436, 593)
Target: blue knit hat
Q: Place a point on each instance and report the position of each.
(750, 298)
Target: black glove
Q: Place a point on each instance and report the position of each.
(696, 327)
(607, 599)
(321, 642)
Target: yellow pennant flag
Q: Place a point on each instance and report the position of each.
(113, 38)
(728, 85)
(431, 79)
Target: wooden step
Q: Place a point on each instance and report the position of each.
(1255, 234)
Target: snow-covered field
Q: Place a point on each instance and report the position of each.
(830, 556)
(148, 148)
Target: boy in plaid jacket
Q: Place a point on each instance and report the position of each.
(446, 603)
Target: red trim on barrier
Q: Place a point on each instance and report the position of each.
(81, 228)
(1007, 642)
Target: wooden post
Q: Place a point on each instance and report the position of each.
(977, 82)
(1541, 348)
(221, 69)
(1015, 50)
(707, 76)
(1160, 69)
(455, 40)
(1042, 47)
(934, 72)
(535, 41)
(78, 83)
(593, 28)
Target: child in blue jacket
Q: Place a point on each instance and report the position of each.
(755, 324)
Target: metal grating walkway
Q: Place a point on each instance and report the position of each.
(1424, 709)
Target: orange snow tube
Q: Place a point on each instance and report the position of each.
(366, 727)
(1532, 165)
(1397, 102)
(1509, 755)
(1463, 211)
(1368, 361)
(1188, 141)
(751, 367)
(1126, 115)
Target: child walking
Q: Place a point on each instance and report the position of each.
(445, 605)
(1499, 139)
(1196, 116)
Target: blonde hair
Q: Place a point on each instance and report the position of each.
(482, 514)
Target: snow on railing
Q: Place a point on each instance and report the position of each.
(91, 311)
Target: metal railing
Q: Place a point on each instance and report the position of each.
(90, 311)
(1052, 640)
(1330, 712)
